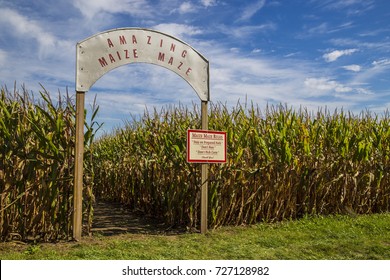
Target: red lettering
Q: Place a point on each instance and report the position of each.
(110, 44)
(127, 54)
(149, 38)
(180, 65)
(103, 62)
(119, 56)
(112, 59)
(161, 43)
(161, 56)
(122, 40)
(184, 54)
(170, 60)
(134, 39)
(173, 46)
(188, 71)
(135, 53)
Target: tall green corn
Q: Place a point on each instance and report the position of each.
(282, 164)
(36, 166)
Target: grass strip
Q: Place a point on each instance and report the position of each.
(365, 237)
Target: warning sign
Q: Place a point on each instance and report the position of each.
(205, 146)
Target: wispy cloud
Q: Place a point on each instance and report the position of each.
(178, 30)
(24, 27)
(186, 7)
(208, 3)
(183, 8)
(378, 71)
(351, 7)
(382, 62)
(319, 29)
(353, 67)
(90, 8)
(371, 33)
(246, 30)
(250, 10)
(325, 84)
(334, 55)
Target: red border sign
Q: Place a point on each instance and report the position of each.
(206, 146)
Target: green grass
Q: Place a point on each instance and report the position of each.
(317, 238)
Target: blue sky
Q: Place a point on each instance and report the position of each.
(309, 53)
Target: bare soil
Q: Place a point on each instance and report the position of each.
(112, 218)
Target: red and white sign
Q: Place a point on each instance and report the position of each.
(206, 146)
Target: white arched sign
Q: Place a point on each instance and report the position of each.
(107, 50)
(97, 55)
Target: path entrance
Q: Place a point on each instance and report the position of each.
(112, 218)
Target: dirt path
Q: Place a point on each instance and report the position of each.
(114, 218)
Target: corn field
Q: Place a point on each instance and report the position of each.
(36, 166)
(282, 164)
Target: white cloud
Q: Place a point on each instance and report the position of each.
(379, 46)
(334, 55)
(246, 31)
(364, 91)
(351, 7)
(263, 80)
(378, 69)
(325, 84)
(319, 29)
(208, 3)
(380, 63)
(89, 8)
(251, 10)
(186, 7)
(178, 30)
(127, 101)
(271, 80)
(353, 67)
(27, 28)
(291, 54)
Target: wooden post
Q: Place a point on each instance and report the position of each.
(78, 169)
(204, 177)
